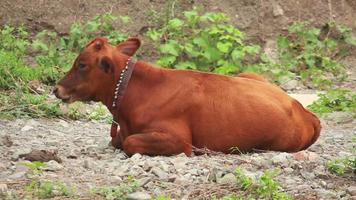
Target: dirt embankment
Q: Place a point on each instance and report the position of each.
(260, 19)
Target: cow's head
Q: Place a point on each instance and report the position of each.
(92, 76)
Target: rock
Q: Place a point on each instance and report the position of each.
(52, 165)
(143, 181)
(290, 84)
(339, 117)
(73, 154)
(326, 194)
(26, 128)
(159, 173)
(138, 196)
(307, 175)
(3, 188)
(320, 172)
(63, 123)
(179, 162)
(227, 178)
(351, 190)
(136, 157)
(288, 170)
(41, 155)
(305, 156)
(21, 151)
(281, 159)
(86, 164)
(7, 141)
(270, 50)
(277, 10)
(19, 173)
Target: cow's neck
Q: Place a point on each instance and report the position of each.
(144, 76)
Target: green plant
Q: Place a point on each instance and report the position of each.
(305, 52)
(335, 100)
(203, 42)
(118, 192)
(35, 166)
(263, 188)
(340, 166)
(48, 189)
(21, 103)
(100, 113)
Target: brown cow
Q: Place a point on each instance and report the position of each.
(169, 111)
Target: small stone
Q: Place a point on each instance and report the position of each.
(63, 123)
(26, 128)
(159, 173)
(323, 183)
(351, 190)
(7, 141)
(3, 188)
(138, 196)
(227, 178)
(52, 165)
(288, 170)
(277, 10)
(307, 175)
(73, 154)
(290, 85)
(86, 164)
(325, 194)
(340, 117)
(281, 158)
(305, 156)
(179, 162)
(136, 157)
(143, 181)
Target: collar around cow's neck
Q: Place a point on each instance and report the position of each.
(122, 82)
(120, 88)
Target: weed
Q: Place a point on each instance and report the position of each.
(118, 192)
(263, 188)
(305, 52)
(203, 42)
(343, 100)
(35, 166)
(48, 189)
(343, 165)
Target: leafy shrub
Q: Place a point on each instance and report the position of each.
(57, 53)
(118, 192)
(263, 188)
(22, 103)
(335, 100)
(13, 46)
(47, 189)
(307, 53)
(342, 165)
(203, 42)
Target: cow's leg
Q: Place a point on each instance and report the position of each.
(156, 143)
(116, 141)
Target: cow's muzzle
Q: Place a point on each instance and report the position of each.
(60, 93)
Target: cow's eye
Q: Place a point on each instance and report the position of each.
(82, 66)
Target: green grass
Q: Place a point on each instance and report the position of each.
(118, 192)
(341, 100)
(198, 40)
(47, 189)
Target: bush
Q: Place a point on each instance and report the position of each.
(311, 54)
(343, 100)
(203, 42)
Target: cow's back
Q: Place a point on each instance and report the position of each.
(246, 113)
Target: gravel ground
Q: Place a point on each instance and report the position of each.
(88, 163)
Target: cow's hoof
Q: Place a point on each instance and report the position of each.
(116, 143)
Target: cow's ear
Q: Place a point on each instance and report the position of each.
(130, 46)
(106, 64)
